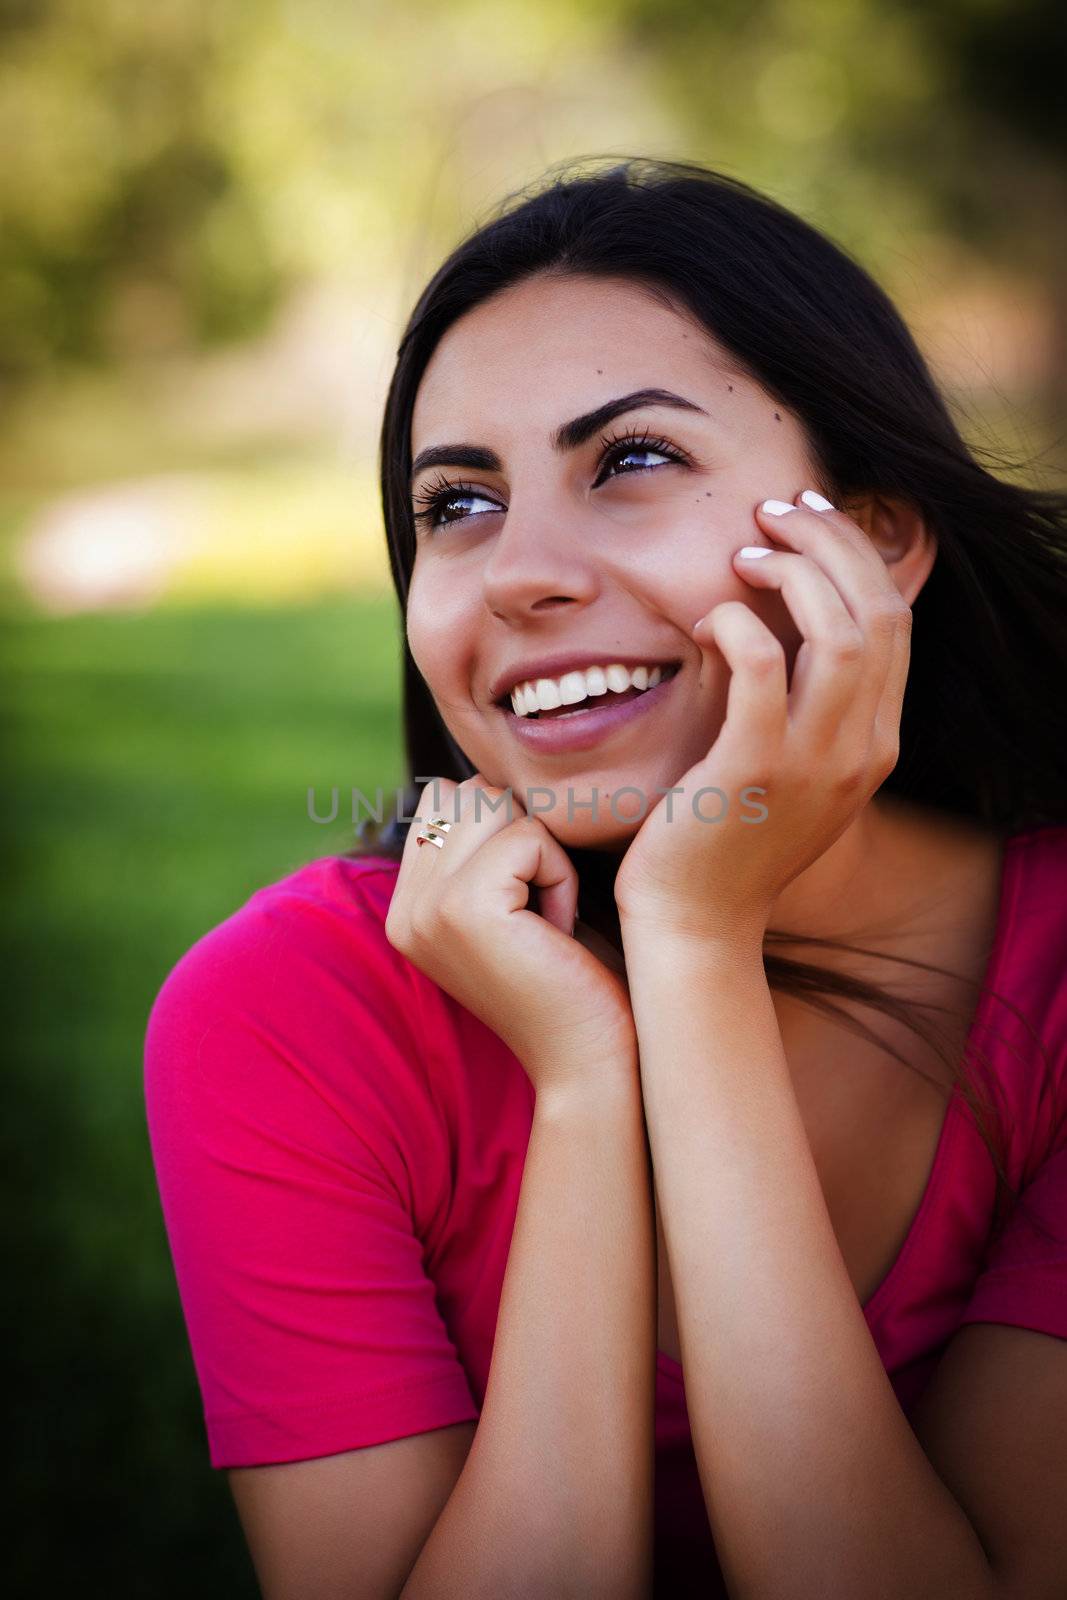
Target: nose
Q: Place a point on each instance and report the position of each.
(539, 563)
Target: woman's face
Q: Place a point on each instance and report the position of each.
(562, 548)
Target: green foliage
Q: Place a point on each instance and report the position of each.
(160, 775)
(171, 170)
(125, 218)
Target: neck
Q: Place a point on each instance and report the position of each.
(843, 893)
(870, 886)
(894, 878)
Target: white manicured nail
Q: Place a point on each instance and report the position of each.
(752, 552)
(777, 508)
(816, 501)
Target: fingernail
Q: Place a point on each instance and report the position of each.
(752, 552)
(816, 501)
(777, 508)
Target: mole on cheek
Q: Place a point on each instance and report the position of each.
(777, 417)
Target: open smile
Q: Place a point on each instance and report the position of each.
(581, 727)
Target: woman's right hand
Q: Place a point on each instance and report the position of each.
(460, 913)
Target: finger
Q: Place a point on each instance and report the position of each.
(435, 800)
(841, 549)
(756, 702)
(501, 872)
(476, 812)
(891, 704)
(829, 666)
(850, 559)
(471, 812)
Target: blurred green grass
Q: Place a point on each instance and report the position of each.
(158, 768)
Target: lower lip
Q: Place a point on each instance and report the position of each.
(581, 730)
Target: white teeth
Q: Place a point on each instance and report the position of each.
(572, 688)
(546, 694)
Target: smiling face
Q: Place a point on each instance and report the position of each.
(577, 546)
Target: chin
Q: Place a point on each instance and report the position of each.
(582, 834)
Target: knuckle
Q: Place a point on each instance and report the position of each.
(729, 610)
(902, 624)
(527, 824)
(888, 754)
(453, 904)
(423, 922)
(845, 645)
(881, 625)
(764, 658)
(850, 780)
(759, 777)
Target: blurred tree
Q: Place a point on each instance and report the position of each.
(886, 120)
(125, 225)
(171, 171)
(1004, 186)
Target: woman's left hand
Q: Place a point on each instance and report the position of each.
(818, 745)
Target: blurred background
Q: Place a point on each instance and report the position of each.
(214, 218)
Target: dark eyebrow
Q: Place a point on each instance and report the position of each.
(567, 437)
(573, 434)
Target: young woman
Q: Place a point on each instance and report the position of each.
(648, 1172)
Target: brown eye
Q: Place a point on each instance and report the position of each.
(634, 445)
(439, 496)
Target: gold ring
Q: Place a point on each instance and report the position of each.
(436, 829)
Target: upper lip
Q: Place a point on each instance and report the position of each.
(554, 666)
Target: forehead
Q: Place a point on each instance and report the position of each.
(551, 347)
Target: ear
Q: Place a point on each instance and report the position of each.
(899, 533)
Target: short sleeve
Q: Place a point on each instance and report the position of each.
(1024, 1278)
(299, 1161)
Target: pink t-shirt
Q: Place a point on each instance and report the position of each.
(339, 1147)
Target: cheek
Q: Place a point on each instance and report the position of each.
(692, 570)
(435, 633)
(444, 652)
(421, 648)
(692, 567)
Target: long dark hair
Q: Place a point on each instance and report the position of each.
(981, 715)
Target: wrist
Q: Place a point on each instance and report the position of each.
(724, 940)
(568, 1093)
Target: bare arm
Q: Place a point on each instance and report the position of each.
(555, 1497)
(549, 1494)
(813, 1479)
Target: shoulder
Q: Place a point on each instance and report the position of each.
(296, 995)
(1024, 1014)
(329, 913)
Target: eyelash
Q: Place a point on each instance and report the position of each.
(440, 491)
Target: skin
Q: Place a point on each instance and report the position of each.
(584, 549)
(793, 672)
(547, 558)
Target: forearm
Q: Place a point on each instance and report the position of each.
(555, 1498)
(813, 1479)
